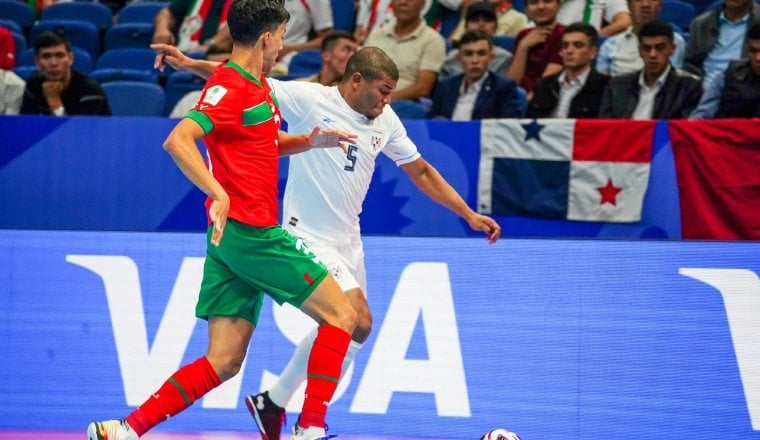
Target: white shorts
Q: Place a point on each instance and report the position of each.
(345, 262)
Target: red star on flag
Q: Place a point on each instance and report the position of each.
(609, 192)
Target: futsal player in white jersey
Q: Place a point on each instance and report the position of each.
(325, 190)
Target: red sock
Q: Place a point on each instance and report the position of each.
(323, 374)
(184, 387)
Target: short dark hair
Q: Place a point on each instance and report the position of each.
(480, 9)
(248, 20)
(332, 39)
(49, 39)
(656, 28)
(753, 33)
(372, 63)
(473, 36)
(586, 29)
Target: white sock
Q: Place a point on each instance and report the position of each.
(295, 372)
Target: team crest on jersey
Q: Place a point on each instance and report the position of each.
(376, 141)
(214, 95)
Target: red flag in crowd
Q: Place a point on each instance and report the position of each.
(718, 170)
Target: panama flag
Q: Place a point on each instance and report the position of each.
(587, 170)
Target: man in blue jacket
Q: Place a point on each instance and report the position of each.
(477, 93)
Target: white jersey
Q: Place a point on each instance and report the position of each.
(326, 187)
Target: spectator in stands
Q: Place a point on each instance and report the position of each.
(735, 93)
(307, 18)
(11, 85)
(417, 49)
(193, 25)
(337, 48)
(609, 17)
(477, 93)
(717, 37)
(537, 48)
(620, 53)
(481, 16)
(215, 52)
(57, 89)
(659, 90)
(577, 91)
(509, 21)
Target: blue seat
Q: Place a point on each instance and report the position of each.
(406, 109)
(79, 33)
(134, 98)
(449, 21)
(98, 14)
(82, 61)
(344, 15)
(127, 58)
(305, 63)
(11, 25)
(506, 42)
(177, 86)
(19, 12)
(678, 13)
(19, 44)
(24, 72)
(139, 12)
(108, 75)
(128, 35)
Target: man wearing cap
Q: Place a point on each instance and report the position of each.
(480, 16)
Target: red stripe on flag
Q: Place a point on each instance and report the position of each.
(718, 170)
(613, 140)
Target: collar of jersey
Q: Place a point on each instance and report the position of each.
(242, 72)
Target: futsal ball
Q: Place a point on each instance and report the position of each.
(500, 434)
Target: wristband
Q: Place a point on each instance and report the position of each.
(59, 111)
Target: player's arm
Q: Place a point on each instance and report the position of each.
(318, 138)
(167, 54)
(433, 185)
(182, 146)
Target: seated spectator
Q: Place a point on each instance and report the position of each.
(337, 48)
(57, 89)
(509, 21)
(193, 25)
(609, 17)
(735, 93)
(620, 53)
(11, 85)
(659, 90)
(215, 52)
(308, 18)
(717, 37)
(577, 91)
(477, 93)
(537, 48)
(417, 49)
(480, 16)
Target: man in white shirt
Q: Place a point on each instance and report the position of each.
(609, 17)
(659, 90)
(324, 193)
(306, 17)
(620, 53)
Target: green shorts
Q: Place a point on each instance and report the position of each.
(251, 262)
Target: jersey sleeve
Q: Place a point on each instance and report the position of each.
(295, 99)
(217, 106)
(400, 149)
(321, 14)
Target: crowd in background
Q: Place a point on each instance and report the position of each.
(458, 59)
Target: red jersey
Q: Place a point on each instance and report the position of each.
(242, 122)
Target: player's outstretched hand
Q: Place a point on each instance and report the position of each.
(218, 212)
(167, 54)
(488, 225)
(330, 138)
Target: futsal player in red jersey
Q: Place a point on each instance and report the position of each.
(248, 253)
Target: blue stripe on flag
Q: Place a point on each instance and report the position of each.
(535, 188)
